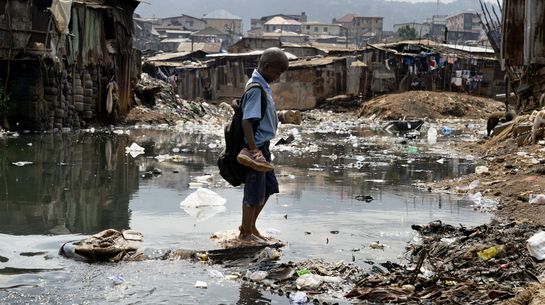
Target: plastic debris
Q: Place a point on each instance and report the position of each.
(536, 245)
(537, 198)
(412, 149)
(432, 135)
(376, 245)
(201, 284)
(215, 273)
(309, 281)
(488, 253)
(303, 271)
(203, 197)
(479, 170)
(446, 130)
(134, 150)
(117, 279)
(21, 163)
(258, 275)
(298, 298)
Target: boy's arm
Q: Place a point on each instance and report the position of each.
(248, 129)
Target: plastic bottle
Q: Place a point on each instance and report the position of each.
(432, 135)
(446, 130)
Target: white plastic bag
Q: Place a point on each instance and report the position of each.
(201, 198)
(536, 245)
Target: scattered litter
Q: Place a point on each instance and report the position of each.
(162, 158)
(441, 161)
(303, 271)
(134, 150)
(258, 276)
(537, 198)
(309, 281)
(488, 253)
(432, 135)
(376, 245)
(201, 284)
(232, 276)
(215, 274)
(412, 149)
(203, 197)
(536, 245)
(298, 298)
(481, 169)
(446, 130)
(117, 279)
(474, 184)
(365, 198)
(21, 163)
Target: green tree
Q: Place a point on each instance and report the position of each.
(407, 32)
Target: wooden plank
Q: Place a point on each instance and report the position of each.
(537, 49)
(512, 30)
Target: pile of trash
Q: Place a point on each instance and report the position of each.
(157, 102)
(458, 265)
(428, 104)
(310, 280)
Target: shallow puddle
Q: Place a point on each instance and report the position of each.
(81, 183)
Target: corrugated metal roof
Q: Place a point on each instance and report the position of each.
(167, 56)
(252, 53)
(347, 18)
(315, 62)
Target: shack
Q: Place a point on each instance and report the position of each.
(307, 82)
(523, 51)
(61, 59)
(428, 65)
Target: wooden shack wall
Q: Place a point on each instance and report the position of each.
(534, 35)
(512, 32)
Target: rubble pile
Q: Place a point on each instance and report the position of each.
(458, 265)
(428, 104)
(157, 103)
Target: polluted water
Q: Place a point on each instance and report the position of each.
(79, 183)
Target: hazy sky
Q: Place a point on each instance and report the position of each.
(317, 10)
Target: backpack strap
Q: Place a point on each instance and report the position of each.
(263, 96)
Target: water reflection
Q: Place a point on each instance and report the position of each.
(77, 183)
(249, 296)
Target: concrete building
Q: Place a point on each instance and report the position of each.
(258, 23)
(224, 21)
(323, 29)
(463, 26)
(282, 24)
(361, 28)
(186, 22)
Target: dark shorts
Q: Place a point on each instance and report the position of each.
(259, 185)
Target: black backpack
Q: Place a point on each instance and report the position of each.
(232, 171)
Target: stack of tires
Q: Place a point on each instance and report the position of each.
(88, 93)
(78, 99)
(51, 96)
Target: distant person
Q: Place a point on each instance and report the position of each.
(261, 181)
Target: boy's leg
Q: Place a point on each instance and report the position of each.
(247, 218)
(257, 211)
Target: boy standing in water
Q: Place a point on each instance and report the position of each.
(260, 178)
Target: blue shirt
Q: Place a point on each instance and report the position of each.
(251, 108)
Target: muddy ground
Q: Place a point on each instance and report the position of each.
(447, 266)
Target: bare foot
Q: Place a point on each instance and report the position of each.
(250, 238)
(258, 235)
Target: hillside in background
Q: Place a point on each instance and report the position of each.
(324, 10)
